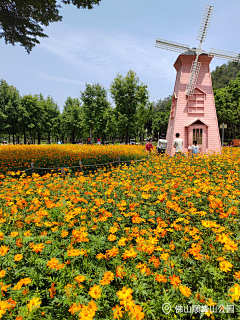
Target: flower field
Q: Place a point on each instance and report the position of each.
(120, 244)
(15, 157)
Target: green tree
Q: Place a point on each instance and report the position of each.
(95, 105)
(72, 118)
(222, 75)
(22, 21)
(9, 109)
(227, 101)
(144, 119)
(128, 94)
(161, 115)
(32, 116)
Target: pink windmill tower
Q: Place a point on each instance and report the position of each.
(193, 113)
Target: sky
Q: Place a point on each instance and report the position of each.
(93, 46)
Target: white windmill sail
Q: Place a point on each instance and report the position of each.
(196, 65)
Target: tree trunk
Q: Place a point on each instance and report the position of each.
(13, 138)
(91, 133)
(39, 137)
(24, 136)
(49, 137)
(73, 137)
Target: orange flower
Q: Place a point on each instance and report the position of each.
(52, 291)
(33, 304)
(185, 291)
(53, 263)
(225, 266)
(14, 234)
(235, 295)
(125, 293)
(112, 252)
(95, 292)
(112, 237)
(120, 272)
(129, 254)
(161, 278)
(76, 252)
(38, 247)
(237, 275)
(80, 278)
(3, 250)
(107, 278)
(19, 243)
(175, 281)
(2, 273)
(117, 312)
(64, 234)
(18, 257)
(27, 233)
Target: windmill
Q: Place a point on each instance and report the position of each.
(195, 90)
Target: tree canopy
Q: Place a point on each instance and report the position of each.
(22, 21)
(225, 73)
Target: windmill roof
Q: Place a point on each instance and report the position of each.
(192, 53)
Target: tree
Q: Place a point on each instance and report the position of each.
(161, 115)
(222, 75)
(227, 101)
(22, 21)
(128, 95)
(9, 109)
(95, 105)
(72, 118)
(32, 116)
(144, 115)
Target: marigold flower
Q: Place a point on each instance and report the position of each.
(112, 237)
(125, 293)
(52, 291)
(117, 312)
(33, 304)
(75, 308)
(225, 266)
(64, 234)
(175, 281)
(27, 233)
(3, 250)
(76, 252)
(129, 254)
(161, 278)
(120, 273)
(14, 234)
(185, 291)
(18, 257)
(112, 252)
(38, 247)
(80, 278)
(4, 305)
(237, 275)
(235, 295)
(53, 263)
(107, 278)
(2, 273)
(95, 292)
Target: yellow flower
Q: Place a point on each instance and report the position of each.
(2, 273)
(95, 292)
(185, 291)
(80, 278)
(125, 293)
(3, 250)
(235, 292)
(18, 257)
(225, 266)
(34, 303)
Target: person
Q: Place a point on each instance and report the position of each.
(178, 144)
(194, 148)
(149, 146)
(89, 141)
(162, 144)
(99, 141)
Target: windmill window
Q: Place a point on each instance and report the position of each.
(196, 103)
(197, 135)
(173, 107)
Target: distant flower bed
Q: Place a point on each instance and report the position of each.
(146, 241)
(13, 158)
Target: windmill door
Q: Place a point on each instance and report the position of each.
(198, 132)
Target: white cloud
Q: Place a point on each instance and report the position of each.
(59, 79)
(95, 52)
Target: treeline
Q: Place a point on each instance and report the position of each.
(35, 118)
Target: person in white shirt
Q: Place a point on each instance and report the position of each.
(178, 144)
(162, 144)
(194, 148)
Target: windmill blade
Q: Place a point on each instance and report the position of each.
(222, 54)
(172, 46)
(192, 81)
(202, 33)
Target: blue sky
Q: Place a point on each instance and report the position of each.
(92, 46)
